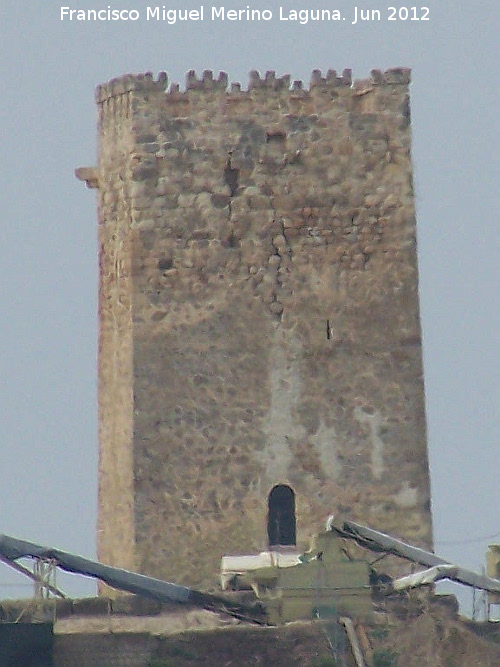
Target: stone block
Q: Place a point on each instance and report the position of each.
(91, 606)
(135, 605)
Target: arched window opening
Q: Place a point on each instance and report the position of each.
(281, 529)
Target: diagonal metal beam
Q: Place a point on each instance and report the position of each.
(11, 549)
(382, 543)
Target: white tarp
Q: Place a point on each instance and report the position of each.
(231, 566)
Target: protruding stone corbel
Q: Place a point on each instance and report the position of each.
(88, 174)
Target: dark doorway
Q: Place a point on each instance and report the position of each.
(281, 529)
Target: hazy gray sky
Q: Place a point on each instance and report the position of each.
(48, 264)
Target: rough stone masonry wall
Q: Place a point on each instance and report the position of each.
(115, 529)
(270, 315)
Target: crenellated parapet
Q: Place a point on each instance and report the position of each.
(269, 82)
(207, 81)
(331, 80)
(131, 82)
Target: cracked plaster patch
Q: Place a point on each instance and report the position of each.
(325, 442)
(279, 426)
(373, 422)
(407, 495)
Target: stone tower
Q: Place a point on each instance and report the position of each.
(260, 357)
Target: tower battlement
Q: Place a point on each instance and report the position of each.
(260, 352)
(147, 83)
